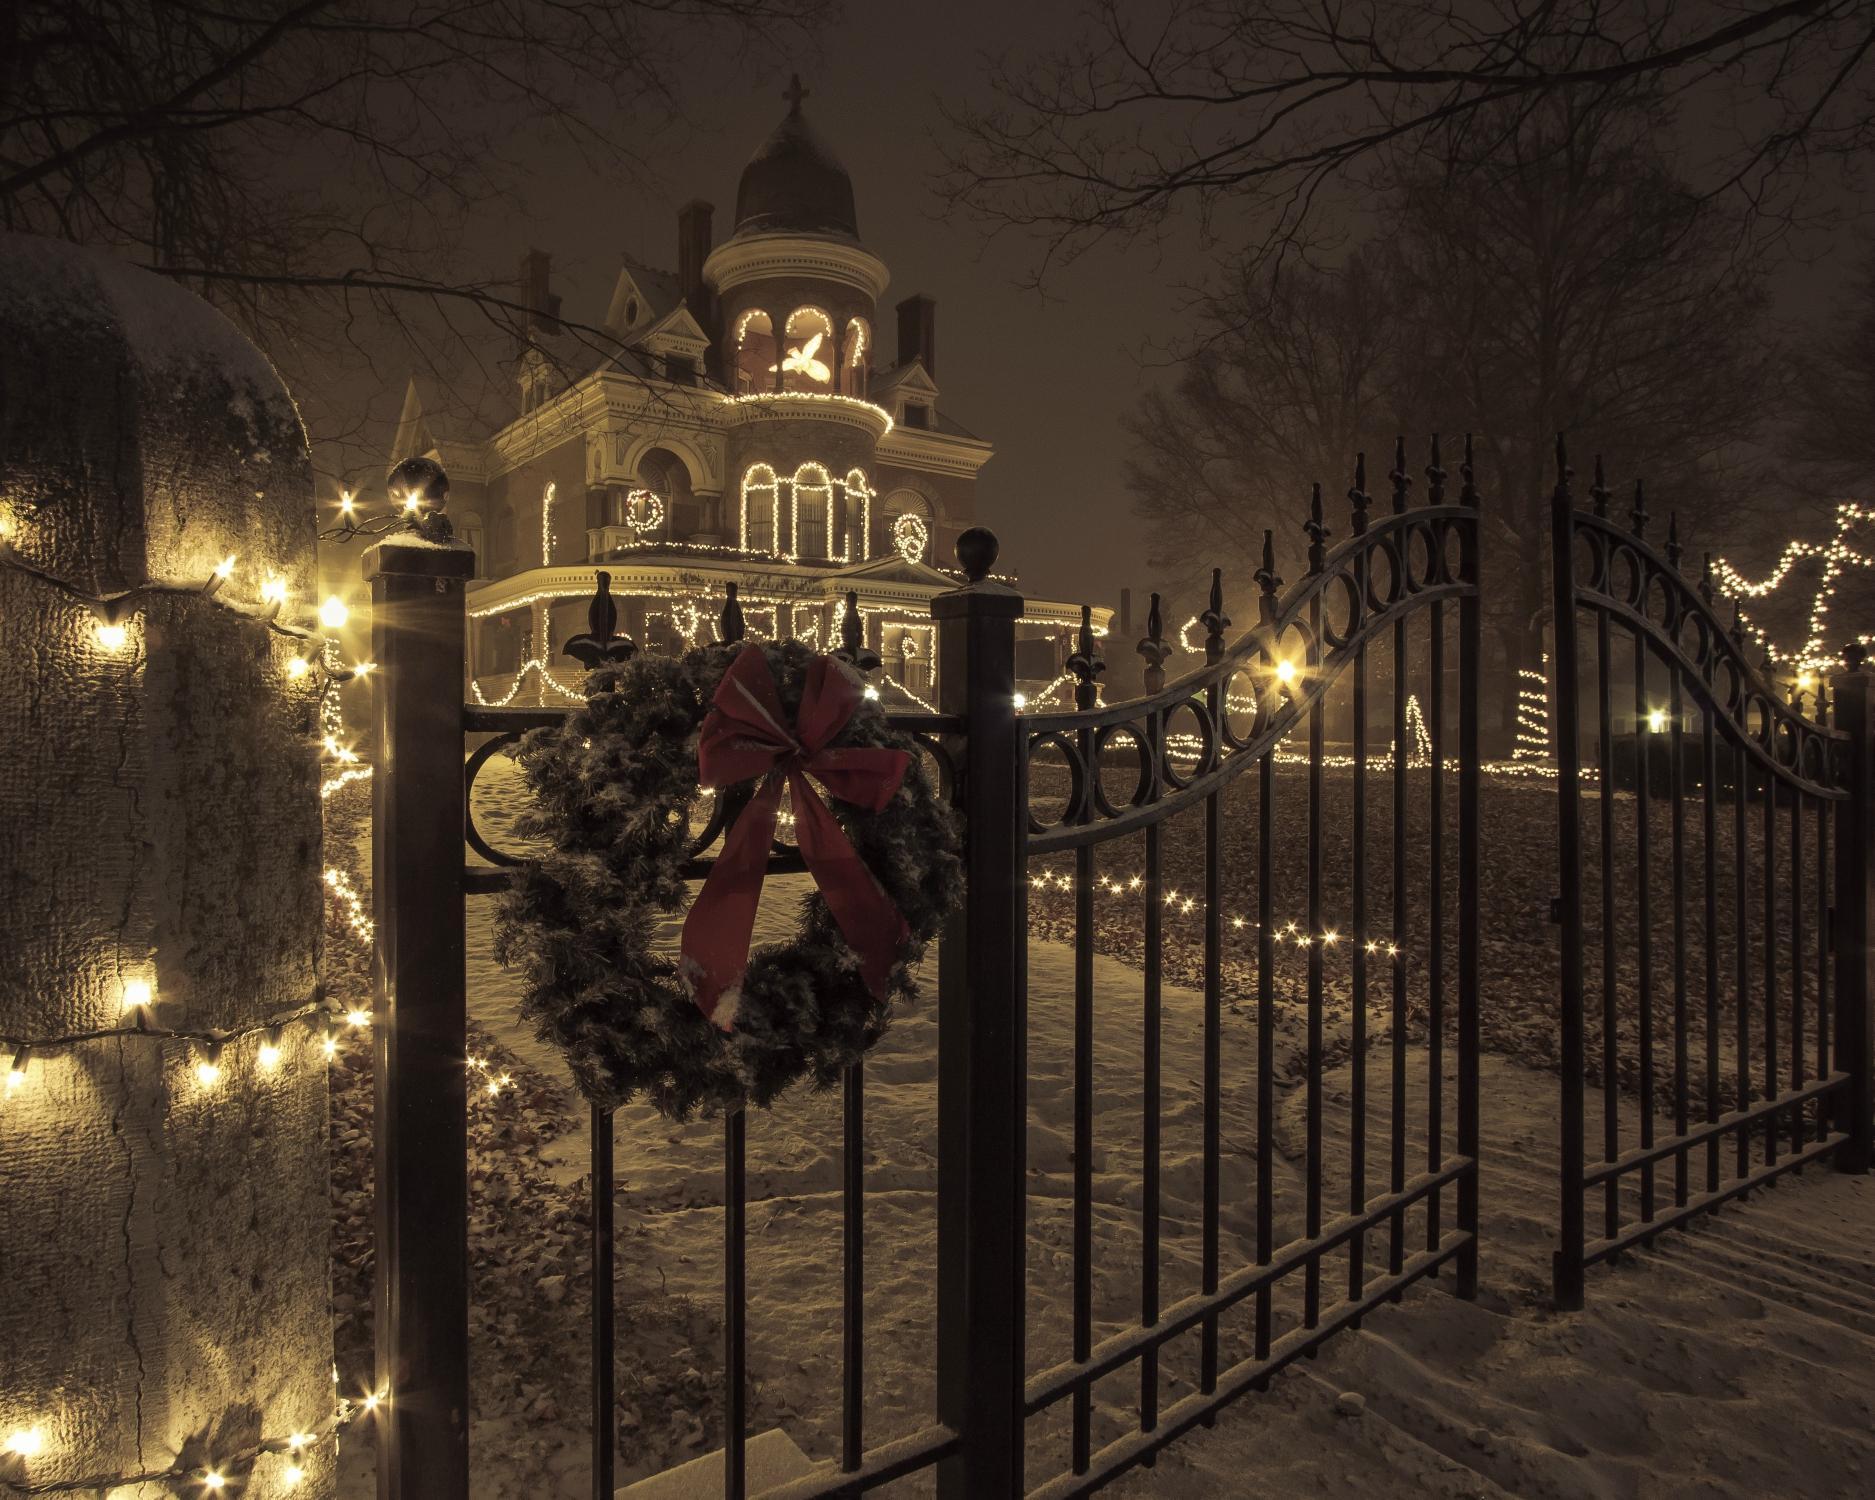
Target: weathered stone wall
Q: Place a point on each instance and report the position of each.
(164, 1233)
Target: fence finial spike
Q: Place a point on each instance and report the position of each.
(601, 642)
(1401, 484)
(1705, 581)
(1085, 664)
(1435, 476)
(1599, 492)
(853, 650)
(1468, 477)
(1154, 647)
(1563, 473)
(1317, 528)
(1673, 538)
(1358, 499)
(1268, 579)
(731, 626)
(1738, 621)
(1214, 620)
(1638, 515)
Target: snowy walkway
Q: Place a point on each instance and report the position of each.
(1735, 1361)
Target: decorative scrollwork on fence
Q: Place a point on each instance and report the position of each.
(1387, 569)
(1617, 572)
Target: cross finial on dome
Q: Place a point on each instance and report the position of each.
(794, 94)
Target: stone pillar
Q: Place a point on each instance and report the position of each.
(164, 1311)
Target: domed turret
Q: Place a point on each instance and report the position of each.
(794, 184)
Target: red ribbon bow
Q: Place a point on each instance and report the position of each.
(745, 736)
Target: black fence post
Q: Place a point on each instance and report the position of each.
(1855, 830)
(982, 1046)
(1470, 686)
(421, 1290)
(1567, 1269)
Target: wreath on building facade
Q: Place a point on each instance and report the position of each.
(616, 788)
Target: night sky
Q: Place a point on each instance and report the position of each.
(1045, 381)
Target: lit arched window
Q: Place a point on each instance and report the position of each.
(808, 351)
(813, 511)
(853, 351)
(755, 352)
(758, 509)
(856, 519)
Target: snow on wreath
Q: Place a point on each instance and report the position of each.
(614, 786)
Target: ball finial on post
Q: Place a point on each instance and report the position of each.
(977, 549)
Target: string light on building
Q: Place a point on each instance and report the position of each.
(333, 613)
(910, 536)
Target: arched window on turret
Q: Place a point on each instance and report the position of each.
(758, 509)
(755, 352)
(813, 511)
(854, 349)
(808, 353)
(856, 518)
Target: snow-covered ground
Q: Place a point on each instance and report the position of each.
(1738, 1360)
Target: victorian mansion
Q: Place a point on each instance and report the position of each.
(752, 430)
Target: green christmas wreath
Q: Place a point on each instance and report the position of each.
(615, 786)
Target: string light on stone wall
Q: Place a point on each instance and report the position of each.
(229, 1473)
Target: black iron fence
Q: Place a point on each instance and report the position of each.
(1390, 1185)
(1729, 942)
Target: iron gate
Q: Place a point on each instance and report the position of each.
(1698, 712)
(1402, 589)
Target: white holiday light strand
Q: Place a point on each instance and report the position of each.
(1837, 556)
(1290, 933)
(1532, 742)
(28, 1443)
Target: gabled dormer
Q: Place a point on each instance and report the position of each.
(909, 394)
(649, 312)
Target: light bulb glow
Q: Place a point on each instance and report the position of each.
(16, 1078)
(293, 1475)
(112, 636)
(225, 568)
(331, 1045)
(297, 666)
(208, 1073)
(358, 1017)
(214, 1480)
(364, 668)
(270, 1054)
(273, 590)
(1656, 720)
(345, 502)
(1285, 672)
(137, 994)
(27, 1442)
(1022, 702)
(333, 614)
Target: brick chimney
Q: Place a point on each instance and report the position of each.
(543, 307)
(917, 332)
(693, 248)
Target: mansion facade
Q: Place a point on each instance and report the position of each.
(749, 432)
